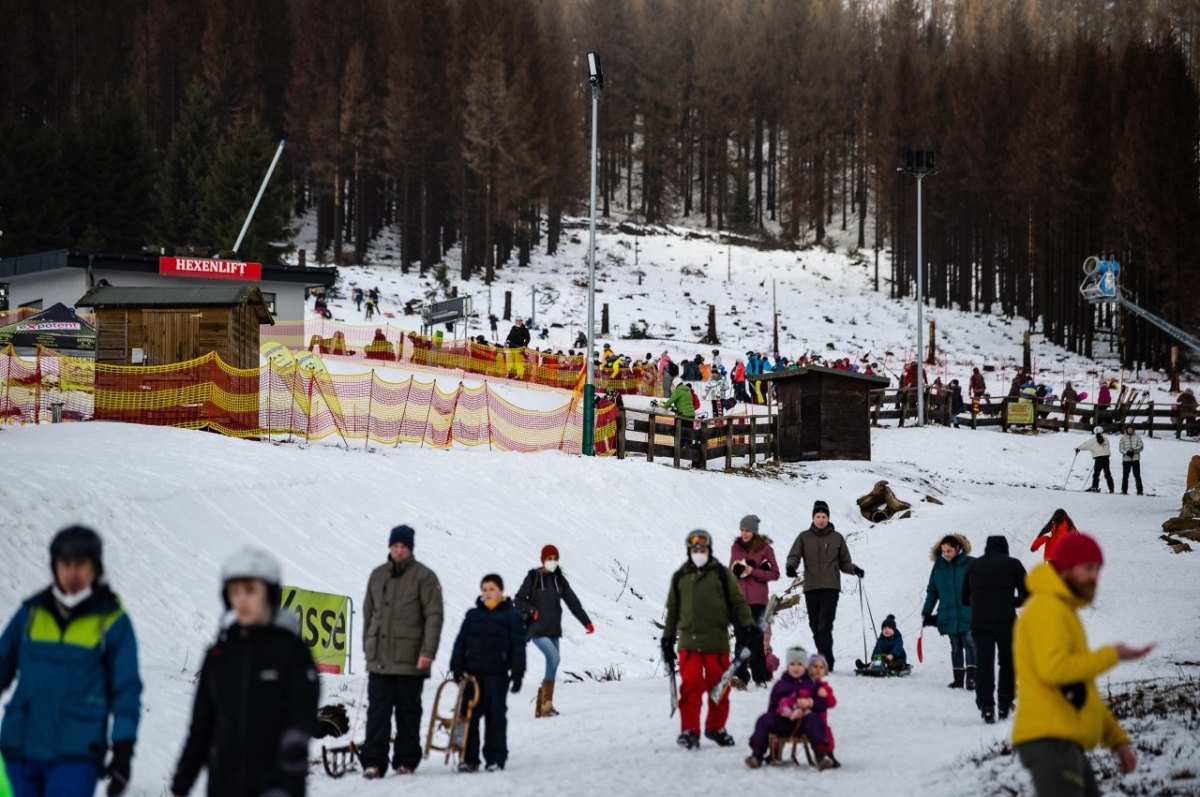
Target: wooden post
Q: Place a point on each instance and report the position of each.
(303, 257)
(753, 434)
(1004, 414)
(931, 359)
(678, 438)
(729, 445)
(620, 432)
(1174, 369)
(1151, 419)
(710, 337)
(1027, 354)
(701, 443)
(604, 319)
(652, 418)
(507, 305)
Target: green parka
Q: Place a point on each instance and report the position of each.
(700, 608)
(945, 590)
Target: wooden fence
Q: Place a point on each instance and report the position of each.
(901, 406)
(663, 435)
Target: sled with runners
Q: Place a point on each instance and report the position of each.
(448, 732)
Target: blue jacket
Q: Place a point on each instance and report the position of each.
(945, 590)
(752, 365)
(893, 647)
(490, 642)
(72, 674)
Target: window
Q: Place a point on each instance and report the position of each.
(269, 298)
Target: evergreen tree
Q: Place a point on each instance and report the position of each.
(184, 171)
(32, 187)
(229, 191)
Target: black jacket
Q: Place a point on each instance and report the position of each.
(994, 585)
(255, 710)
(490, 642)
(544, 593)
(518, 337)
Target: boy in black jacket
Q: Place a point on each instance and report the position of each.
(994, 587)
(491, 647)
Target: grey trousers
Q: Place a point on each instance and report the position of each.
(1060, 768)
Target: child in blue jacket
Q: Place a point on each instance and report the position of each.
(889, 648)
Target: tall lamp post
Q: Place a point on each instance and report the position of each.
(596, 79)
(920, 164)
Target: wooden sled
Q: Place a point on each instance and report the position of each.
(339, 760)
(776, 746)
(883, 672)
(453, 727)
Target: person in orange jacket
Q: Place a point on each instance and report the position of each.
(1059, 526)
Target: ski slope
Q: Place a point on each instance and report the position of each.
(172, 504)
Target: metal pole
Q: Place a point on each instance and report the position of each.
(920, 315)
(261, 190)
(589, 388)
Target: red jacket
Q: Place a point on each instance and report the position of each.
(1052, 540)
(739, 373)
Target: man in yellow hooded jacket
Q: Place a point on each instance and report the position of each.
(1060, 715)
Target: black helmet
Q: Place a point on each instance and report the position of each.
(76, 544)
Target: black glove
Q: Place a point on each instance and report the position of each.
(745, 636)
(516, 683)
(791, 571)
(119, 767)
(738, 567)
(928, 619)
(457, 676)
(858, 571)
(668, 652)
(765, 564)
(758, 663)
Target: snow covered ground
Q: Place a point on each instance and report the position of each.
(172, 504)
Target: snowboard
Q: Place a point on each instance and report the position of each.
(717, 693)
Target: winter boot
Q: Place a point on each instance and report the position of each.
(1005, 708)
(959, 674)
(989, 716)
(537, 704)
(468, 766)
(970, 683)
(825, 761)
(721, 737)
(688, 740)
(373, 773)
(546, 699)
(754, 761)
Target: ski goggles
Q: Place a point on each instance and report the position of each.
(699, 541)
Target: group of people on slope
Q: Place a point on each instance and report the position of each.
(1130, 447)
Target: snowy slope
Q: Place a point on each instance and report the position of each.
(171, 504)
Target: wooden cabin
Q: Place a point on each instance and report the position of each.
(823, 413)
(165, 326)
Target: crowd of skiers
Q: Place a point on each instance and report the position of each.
(71, 649)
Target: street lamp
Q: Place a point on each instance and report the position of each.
(596, 79)
(920, 164)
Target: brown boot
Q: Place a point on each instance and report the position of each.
(546, 699)
(537, 703)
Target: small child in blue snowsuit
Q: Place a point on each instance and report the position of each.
(794, 709)
(889, 649)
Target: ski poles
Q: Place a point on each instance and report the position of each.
(1068, 481)
(862, 600)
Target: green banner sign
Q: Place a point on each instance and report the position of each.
(1019, 412)
(324, 623)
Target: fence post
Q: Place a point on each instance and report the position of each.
(753, 432)
(370, 406)
(487, 407)
(678, 438)
(701, 442)
(728, 445)
(1151, 419)
(653, 424)
(620, 433)
(1004, 413)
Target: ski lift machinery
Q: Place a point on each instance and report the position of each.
(1102, 284)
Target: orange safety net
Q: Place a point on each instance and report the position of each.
(393, 344)
(270, 401)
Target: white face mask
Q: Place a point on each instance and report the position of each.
(72, 600)
(699, 559)
(551, 565)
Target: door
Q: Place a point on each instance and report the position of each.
(171, 335)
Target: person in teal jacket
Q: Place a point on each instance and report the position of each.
(72, 651)
(953, 619)
(680, 401)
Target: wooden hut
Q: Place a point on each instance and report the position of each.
(823, 413)
(165, 326)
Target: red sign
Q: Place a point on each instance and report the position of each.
(205, 268)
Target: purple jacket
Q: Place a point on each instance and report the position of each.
(788, 689)
(765, 569)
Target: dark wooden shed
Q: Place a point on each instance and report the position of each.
(823, 413)
(161, 326)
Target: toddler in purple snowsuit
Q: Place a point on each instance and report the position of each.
(792, 710)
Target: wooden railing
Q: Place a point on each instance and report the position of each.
(656, 434)
(901, 406)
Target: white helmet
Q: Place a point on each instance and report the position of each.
(1098, 430)
(252, 563)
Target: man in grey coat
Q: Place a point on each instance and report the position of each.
(825, 556)
(402, 624)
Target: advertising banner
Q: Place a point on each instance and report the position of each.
(205, 268)
(324, 626)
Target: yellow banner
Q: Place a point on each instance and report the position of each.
(324, 620)
(1019, 412)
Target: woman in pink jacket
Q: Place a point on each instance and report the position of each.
(752, 560)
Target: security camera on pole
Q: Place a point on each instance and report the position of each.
(920, 164)
(596, 78)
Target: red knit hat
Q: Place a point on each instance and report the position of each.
(549, 552)
(1077, 549)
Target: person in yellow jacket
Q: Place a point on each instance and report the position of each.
(1060, 715)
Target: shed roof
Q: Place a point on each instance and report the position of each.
(182, 296)
(875, 381)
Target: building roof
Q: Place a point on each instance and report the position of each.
(23, 265)
(880, 381)
(183, 296)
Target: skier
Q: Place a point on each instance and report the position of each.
(1060, 714)
(1057, 527)
(1131, 446)
(714, 393)
(993, 589)
(370, 308)
(516, 342)
(491, 647)
(826, 557)
(402, 625)
(258, 692)
(1100, 451)
(951, 556)
(540, 600)
(888, 653)
(794, 708)
(702, 601)
(72, 650)
(358, 299)
(752, 560)
(680, 401)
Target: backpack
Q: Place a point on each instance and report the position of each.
(695, 399)
(672, 369)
